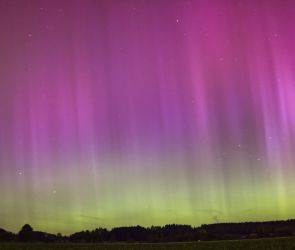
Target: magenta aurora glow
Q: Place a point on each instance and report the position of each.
(149, 112)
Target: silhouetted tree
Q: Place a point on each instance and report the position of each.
(26, 233)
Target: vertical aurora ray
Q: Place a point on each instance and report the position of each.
(146, 112)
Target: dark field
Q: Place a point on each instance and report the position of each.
(260, 244)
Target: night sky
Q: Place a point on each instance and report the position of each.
(146, 112)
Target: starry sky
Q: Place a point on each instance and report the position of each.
(149, 112)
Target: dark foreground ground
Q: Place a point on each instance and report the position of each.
(257, 244)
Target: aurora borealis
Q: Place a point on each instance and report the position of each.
(146, 112)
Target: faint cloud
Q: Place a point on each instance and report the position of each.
(216, 214)
(91, 217)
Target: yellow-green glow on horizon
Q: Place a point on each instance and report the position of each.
(75, 200)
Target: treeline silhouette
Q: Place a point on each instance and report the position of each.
(168, 233)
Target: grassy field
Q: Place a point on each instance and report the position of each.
(261, 244)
